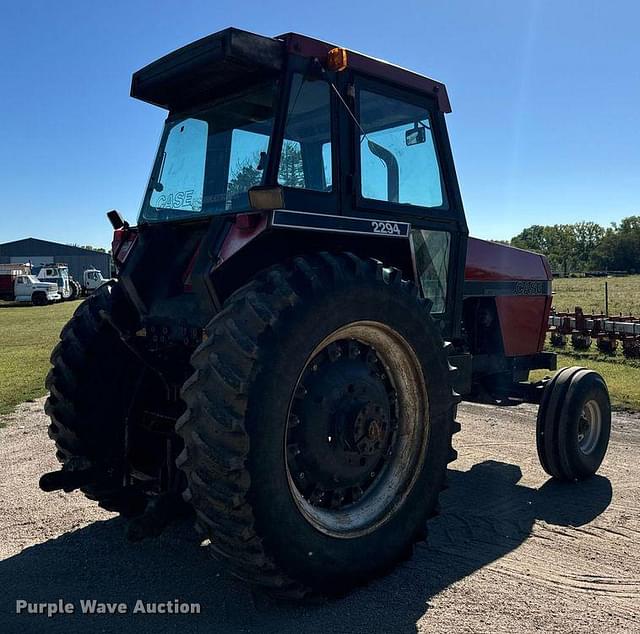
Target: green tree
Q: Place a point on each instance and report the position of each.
(588, 235)
(88, 247)
(246, 174)
(557, 242)
(531, 238)
(619, 250)
(585, 245)
(291, 171)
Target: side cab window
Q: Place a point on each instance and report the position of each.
(431, 251)
(398, 159)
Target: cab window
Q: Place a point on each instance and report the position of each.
(181, 177)
(305, 159)
(431, 250)
(398, 161)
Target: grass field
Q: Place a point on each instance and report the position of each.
(622, 375)
(588, 293)
(623, 378)
(27, 336)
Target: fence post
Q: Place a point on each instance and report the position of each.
(606, 298)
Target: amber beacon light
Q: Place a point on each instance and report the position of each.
(337, 59)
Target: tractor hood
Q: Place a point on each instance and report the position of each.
(196, 72)
(492, 261)
(518, 284)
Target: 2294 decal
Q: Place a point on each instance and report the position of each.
(389, 228)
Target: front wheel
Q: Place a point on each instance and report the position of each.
(39, 299)
(574, 424)
(319, 424)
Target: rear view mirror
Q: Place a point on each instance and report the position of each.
(416, 135)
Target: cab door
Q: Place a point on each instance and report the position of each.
(401, 169)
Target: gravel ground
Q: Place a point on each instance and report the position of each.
(511, 551)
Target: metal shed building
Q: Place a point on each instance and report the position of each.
(40, 252)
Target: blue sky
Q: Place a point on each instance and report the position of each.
(545, 94)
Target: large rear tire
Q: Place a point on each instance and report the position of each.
(90, 387)
(318, 425)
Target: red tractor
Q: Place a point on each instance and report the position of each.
(298, 312)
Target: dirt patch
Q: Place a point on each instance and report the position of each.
(510, 552)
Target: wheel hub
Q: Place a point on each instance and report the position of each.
(365, 385)
(589, 427)
(344, 419)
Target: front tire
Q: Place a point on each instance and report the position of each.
(297, 370)
(39, 299)
(574, 424)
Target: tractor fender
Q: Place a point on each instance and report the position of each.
(256, 241)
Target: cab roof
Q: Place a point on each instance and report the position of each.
(310, 47)
(235, 57)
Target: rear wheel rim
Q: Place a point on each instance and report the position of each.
(589, 427)
(359, 413)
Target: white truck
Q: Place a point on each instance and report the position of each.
(19, 285)
(92, 279)
(28, 288)
(59, 274)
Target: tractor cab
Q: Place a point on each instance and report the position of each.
(273, 146)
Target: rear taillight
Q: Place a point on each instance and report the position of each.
(123, 241)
